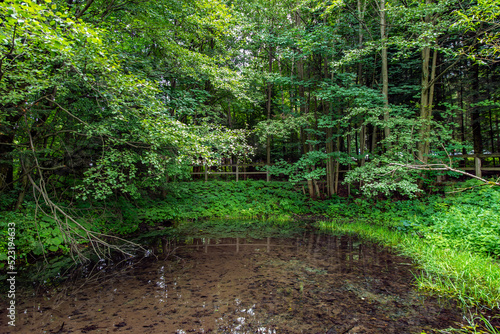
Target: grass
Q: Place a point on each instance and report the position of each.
(471, 279)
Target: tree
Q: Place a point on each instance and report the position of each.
(76, 113)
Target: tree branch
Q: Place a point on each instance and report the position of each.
(444, 167)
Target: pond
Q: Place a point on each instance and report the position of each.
(312, 283)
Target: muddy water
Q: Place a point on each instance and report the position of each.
(309, 284)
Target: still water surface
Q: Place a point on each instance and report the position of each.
(309, 284)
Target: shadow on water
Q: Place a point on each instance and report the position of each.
(312, 283)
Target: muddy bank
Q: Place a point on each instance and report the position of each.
(309, 284)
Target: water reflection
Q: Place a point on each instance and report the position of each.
(162, 291)
(313, 283)
(343, 253)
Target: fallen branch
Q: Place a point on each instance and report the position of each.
(62, 218)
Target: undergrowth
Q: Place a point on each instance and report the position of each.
(244, 199)
(468, 220)
(227, 206)
(454, 240)
(472, 279)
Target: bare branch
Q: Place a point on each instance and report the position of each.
(444, 167)
(96, 239)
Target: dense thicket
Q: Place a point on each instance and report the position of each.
(112, 99)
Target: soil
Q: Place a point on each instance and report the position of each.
(309, 284)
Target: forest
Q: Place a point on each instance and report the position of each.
(381, 118)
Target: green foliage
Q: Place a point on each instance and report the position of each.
(482, 19)
(387, 173)
(34, 235)
(471, 279)
(119, 218)
(108, 103)
(467, 220)
(281, 128)
(84, 100)
(309, 167)
(244, 199)
(8, 199)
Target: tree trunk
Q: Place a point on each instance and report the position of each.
(337, 164)
(462, 121)
(498, 135)
(330, 170)
(427, 94)
(426, 100)
(7, 136)
(229, 118)
(475, 112)
(385, 73)
(269, 101)
(349, 165)
(362, 143)
(22, 193)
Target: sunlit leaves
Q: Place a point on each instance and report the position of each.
(34, 37)
(482, 18)
(76, 78)
(282, 127)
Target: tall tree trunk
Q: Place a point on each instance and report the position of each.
(349, 165)
(373, 142)
(362, 144)
(490, 114)
(475, 112)
(229, 118)
(385, 72)
(426, 100)
(330, 170)
(427, 94)
(498, 134)
(424, 104)
(269, 102)
(462, 121)
(337, 164)
(361, 17)
(330, 162)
